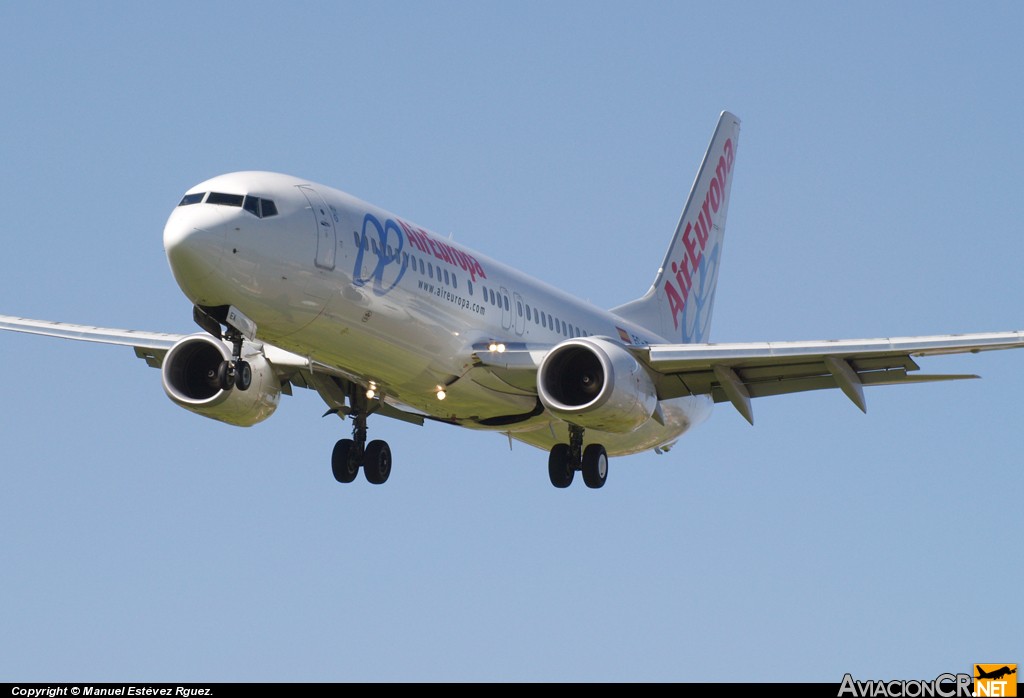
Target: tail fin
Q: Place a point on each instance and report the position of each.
(679, 303)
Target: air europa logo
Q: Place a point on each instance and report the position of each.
(693, 266)
(422, 241)
(387, 246)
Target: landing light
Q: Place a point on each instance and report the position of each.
(371, 392)
(496, 346)
(441, 394)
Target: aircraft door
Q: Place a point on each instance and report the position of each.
(506, 309)
(326, 235)
(518, 313)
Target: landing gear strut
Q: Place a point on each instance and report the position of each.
(565, 459)
(350, 454)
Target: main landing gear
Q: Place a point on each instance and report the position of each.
(350, 454)
(565, 459)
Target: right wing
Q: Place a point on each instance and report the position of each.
(151, 346)
(333, 384)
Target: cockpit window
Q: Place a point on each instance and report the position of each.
(252, 205)
(261, 208)
(225, 199)
(192, 199)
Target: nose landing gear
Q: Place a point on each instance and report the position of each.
(235, 373)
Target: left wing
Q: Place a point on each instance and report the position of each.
(739, 371)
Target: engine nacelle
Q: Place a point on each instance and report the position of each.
(190, 380)
(597, 384)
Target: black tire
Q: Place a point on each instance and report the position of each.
(225, 379)
(595, 466)
(243, 375)
(560, 468)
(377, 462)
(343, 461)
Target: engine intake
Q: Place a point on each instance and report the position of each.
(190, 379)
(597, 384)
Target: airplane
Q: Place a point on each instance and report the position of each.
(996, 674)
(296, 284)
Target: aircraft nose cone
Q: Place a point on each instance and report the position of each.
(194, 243)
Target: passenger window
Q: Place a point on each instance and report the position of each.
(430, 270)
(470, 285)
(455, 282)
(519, 308)
(252, 205)
(446, 277)
(506, 304)
(189, 199)
(267, 208)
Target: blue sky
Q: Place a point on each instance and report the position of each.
(876, 193)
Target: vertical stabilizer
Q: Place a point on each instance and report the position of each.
(678, 305)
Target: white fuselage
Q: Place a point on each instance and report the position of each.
(349, 285)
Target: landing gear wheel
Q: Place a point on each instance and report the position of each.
(595, 466)
(377, 462)
(560, 468)
(225, 379)
(343, 461)
(243, 375)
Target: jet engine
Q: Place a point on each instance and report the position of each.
(190, 379)
(597, 384)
